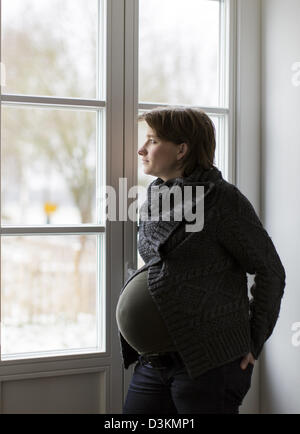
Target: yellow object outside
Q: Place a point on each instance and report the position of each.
(49, 207)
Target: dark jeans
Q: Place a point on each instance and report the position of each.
(169, 390)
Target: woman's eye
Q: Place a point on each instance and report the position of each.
(152, 141)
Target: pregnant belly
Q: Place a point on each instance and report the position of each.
(139, 319)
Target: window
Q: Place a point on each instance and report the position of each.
(52, 165)
(53, 120)
(77, 73)
(185, 59)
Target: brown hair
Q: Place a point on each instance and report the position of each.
(189, 125)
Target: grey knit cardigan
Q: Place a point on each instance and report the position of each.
(198, 280)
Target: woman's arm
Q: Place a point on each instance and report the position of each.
(242, 234)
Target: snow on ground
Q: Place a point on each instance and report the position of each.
(39, 336)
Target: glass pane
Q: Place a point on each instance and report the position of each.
(144, 180)
(50, 47)
(50, 295)
(216, 121)
(179, 52)
(48, 166)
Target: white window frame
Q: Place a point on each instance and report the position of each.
(107, 362)
(121, 161)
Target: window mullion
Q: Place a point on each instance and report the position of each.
(52, 101)
(50, 229)
(209, 110)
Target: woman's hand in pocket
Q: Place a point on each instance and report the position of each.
(247, 359)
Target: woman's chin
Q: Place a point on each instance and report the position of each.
(147, 170)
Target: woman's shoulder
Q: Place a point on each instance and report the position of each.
(234, 202)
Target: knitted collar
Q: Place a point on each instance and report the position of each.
(200, 176)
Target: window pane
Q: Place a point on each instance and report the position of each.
(179, 52)
(50, 296)
(50, 47)
(48, 166)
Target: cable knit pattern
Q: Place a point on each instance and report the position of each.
(198, 280)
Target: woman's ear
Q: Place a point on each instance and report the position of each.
(183, 148)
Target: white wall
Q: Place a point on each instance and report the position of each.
(280, 374)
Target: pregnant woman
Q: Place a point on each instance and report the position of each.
(185, 317)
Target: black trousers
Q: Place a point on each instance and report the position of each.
(169, 390)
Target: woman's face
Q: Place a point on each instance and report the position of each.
(160, 158)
